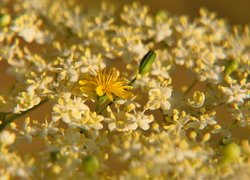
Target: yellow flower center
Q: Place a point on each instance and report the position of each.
(103, 82)
(100, 90)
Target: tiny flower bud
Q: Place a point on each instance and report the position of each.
(231, 67)
(206, 137)
(147, 62)
(197, 100)
(56, 169)
(91, 164)
(4, 19)
(55, 155)
(193, 135)
(102, 99)
(231, 152)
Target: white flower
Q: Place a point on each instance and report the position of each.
(124, 121)
(197, 100)
(75, 113)
(203, 121)
(158, 98)
(161, 66)
(162, 27)
(26, 100)
(27, 27)
(236, 93)
(143, 120)
(7, 138)
(69, 110)
(90, 120)
(121, 121)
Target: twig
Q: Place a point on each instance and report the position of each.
(213, 107)
(11, 119)
(191, 86)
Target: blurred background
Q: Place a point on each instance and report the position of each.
(235, 12)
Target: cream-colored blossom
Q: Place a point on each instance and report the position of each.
(197, 100)
(7, 138)
(158, 132)
(236, 93)
(158, 98)
(69, 110)
(27, 26)
(125, 121)
(25, 101)
(203, 120)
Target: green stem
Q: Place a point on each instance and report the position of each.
(101, 110)
(133, 80)
(15, 116)
(191, 86)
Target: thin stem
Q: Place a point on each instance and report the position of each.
(97, 106)
(191, 86)
(133, 80)
(161, 110)
(15, 116)
(213, 107)
(100, 111)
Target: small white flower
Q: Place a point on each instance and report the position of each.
(69, 110)
(7, 138)
(143, 120)
(197, 100)
(158, 98)
(236, 93)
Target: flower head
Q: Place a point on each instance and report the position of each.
(103, 82)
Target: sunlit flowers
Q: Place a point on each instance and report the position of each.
(105, 82)
(67, 113)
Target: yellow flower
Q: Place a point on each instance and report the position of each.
(103, 82)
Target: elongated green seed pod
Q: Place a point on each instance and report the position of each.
(147, 62)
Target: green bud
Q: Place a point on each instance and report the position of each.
(91, 164)
(231, 67)
(162, 14)
(147, 62)
(102, 99)
(55, 155)
(231, 152)
(4, 19)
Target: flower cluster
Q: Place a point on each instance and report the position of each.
(106, 76)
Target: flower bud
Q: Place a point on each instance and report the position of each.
(91, 164)
(102, 99)
(231, 152)
(7, 138)
(147, 62)
(4, 19)
(55, 155)
(231, 67)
